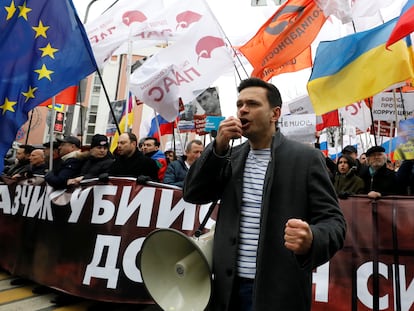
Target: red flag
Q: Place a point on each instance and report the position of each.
(405, 24)
(284, 36)
(369, 101)
(66, 97)
(328, 119)
(408, 88)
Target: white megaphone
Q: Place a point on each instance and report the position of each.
(176, 269)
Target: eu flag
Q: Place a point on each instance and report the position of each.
(44, 49)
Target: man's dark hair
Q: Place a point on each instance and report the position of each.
(156, 142)
(27, 149)
(272, 94)
(132, 137)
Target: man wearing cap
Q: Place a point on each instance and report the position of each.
(378, 179)
(69, 151)
(98, 161)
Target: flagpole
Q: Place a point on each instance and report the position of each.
(378, 132)
(402, 103)
(228, 40)
(372, 120)
(390, 137)
(29, 126)
(173, 137)
(52, 126)
(185, 141)
(128, 74)
(394, 123)
(394, 99)
(179, 137)
(158, 128)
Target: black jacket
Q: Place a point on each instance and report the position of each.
(19, 168)
(134, 166)
(296, 185)
(68, 169)
(93, 167)
(405, 176)
(383, 181)
(41, 169)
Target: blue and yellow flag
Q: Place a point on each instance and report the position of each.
(44, 49)
(356, 67)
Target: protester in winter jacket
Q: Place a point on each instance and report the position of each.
(22, 164)
(130, 162)
(378, 179)
(346, 181)
(38, 164)
(97, 162)
(405, 176)
(69, 151)
(150, 148)
(177, 170)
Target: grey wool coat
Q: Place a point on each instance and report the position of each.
(297, 185)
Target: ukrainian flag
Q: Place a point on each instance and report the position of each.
(356, 67)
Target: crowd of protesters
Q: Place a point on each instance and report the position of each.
(372, 173)
(305, 230)
(72, 162)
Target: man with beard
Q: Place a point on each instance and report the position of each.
(378, 179)
(22, 164)
(130, 162)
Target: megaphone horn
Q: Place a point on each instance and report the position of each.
(176, 269)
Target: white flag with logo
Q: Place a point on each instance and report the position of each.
(122, 21)
(184, 69)
(358, 115)
(166, 27)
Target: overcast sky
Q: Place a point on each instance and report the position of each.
(240, 21)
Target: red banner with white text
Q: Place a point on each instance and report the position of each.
(86, 241)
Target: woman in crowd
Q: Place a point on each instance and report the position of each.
(346, 181)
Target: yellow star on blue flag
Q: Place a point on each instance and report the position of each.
(44, 50)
